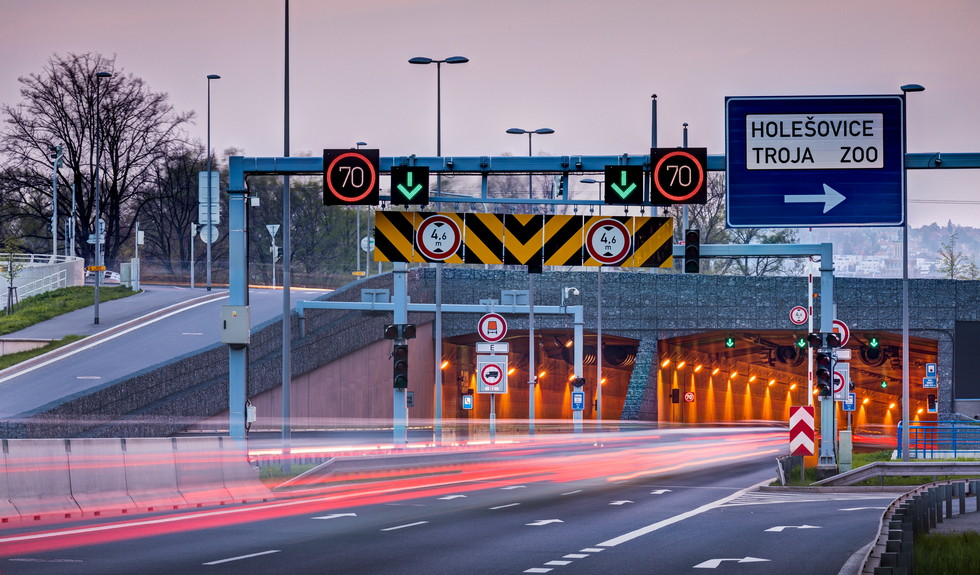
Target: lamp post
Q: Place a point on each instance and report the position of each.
(905, 277)
(598, 321)
(210, 226)
(357, 242)
(98, 191)
(437, 427)
(56, 152)
(529, 133)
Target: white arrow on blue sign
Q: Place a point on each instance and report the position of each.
(809, 161)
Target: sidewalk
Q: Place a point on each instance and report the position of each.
(113, 313)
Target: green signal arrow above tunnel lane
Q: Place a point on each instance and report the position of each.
(410, 191)
(622, 189)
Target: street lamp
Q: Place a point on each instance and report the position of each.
(905, 277)
(56, 153)
(99, 264)
(529, 133)
(438, 316)
(210, 226)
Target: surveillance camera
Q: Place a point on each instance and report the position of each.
(573, 291)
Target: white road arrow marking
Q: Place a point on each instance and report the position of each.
(540, 522)
(623, 502)
(336, 515)
(714, 563)
(660, 491)
(450, 497)
(829, 198)
(780, 528)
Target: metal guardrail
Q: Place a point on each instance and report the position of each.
(914, 513)
(54, 281)
(942, 439)
(34, 259)
(902, 469)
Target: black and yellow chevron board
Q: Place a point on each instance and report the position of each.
(394, 236)
(653, 242)
(484, 238)
(523, 238)
(563, 240)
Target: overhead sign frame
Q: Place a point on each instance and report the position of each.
(815, 161)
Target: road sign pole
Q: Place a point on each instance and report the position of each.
(400, 317)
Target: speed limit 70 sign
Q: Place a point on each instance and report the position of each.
(350, 177)
(678, 176)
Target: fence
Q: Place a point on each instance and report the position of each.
(942, 439)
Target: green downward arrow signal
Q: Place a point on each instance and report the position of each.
(410, 191)
(622, 189)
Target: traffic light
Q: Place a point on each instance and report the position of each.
(409, 185)
(400, 356)
(824, 373)
(675, 395)
(578, 382)
(884, 384)
(931, 404)
(729, 342)
(276, 253)
(873, 351)
(801, 342)
(692, 251)
(815, 339)
(623, 185)
(832, 339)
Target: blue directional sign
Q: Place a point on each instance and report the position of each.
(578, 400)
(815, 161)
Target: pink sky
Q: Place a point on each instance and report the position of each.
(585, 69)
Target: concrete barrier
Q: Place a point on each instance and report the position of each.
(98, 477)
(200, 477)
(39, 479)
(151, 474)
(8, 513)
(241, 479)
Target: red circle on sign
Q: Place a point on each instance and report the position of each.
(370, 168)
(697, 187)
(798, 315)
(492, 327)
(425, 228)
(689, 397)
(608, 258)
(486, 374)
(843, 331)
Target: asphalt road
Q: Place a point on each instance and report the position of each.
(672, 503)
(132, 335)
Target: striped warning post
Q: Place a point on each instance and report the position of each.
(801, 434)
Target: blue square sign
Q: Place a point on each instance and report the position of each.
(815, 161)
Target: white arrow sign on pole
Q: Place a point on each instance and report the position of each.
(829, 198)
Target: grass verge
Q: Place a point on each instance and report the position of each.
(45, 306)
(947, 553)
(15, 358)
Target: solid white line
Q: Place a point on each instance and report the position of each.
(677, 518)
(504, 506)
(537, 570)
(105, 339)
(406, 525)
(240, 557)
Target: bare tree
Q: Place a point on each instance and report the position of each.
(138, 130)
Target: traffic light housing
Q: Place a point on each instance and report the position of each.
(832, 339)
(675, 395)
(692, 251)
(578, 382)
(824, 373)
(400, 356)
(729, 342)
(815, 339)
